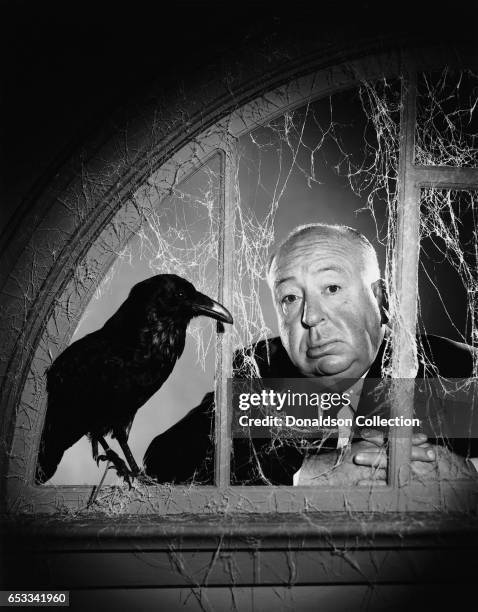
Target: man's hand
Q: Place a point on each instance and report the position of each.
(332, 469)
(371, 452)
(364, 463)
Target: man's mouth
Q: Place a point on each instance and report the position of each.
(323, 348)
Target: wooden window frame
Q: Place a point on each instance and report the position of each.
(412, 179)
(24, 497)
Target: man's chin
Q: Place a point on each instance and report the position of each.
(332, 366)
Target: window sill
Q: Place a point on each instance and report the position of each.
(306, 530)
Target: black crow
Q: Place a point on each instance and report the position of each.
(96, 386)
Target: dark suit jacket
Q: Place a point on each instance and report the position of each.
(185, 453)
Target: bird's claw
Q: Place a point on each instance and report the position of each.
(118, 464)
(143, 478)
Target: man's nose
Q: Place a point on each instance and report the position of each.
(313, 313)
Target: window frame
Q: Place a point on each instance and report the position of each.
(25, 403)
(412, 179)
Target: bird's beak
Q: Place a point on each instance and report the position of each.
(203, 305)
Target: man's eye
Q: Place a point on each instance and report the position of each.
(333, 289)
(290, 303)
(289, 299)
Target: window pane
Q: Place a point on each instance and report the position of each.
(448, 264)
(333, 161)
(179, 236)
(447, 119)
(448, 282)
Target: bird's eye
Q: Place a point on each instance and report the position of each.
(331, 289)
(180, 294)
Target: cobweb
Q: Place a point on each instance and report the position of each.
(334, 160)
(355, 137)
(174, 231)
(312, 145)
(446, 129)
(179, 235)
(446, 135)
(349, 141)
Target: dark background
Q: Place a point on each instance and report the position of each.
(68, 65)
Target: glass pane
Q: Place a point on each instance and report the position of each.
(179, 236)
(447, 119)
(448, 264)
(448, 282)
(331, 162)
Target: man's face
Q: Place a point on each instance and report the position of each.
(329, 315)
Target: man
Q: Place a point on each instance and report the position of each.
(332, 312)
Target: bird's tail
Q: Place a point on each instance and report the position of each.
(57, 436)
(49, 456)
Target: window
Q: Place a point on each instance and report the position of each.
(178, 234)
(397, 175)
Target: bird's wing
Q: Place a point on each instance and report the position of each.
(98, 383)
(83, 384)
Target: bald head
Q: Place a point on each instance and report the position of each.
(329, 298)
(365, 256)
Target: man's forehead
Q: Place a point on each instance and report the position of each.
(315, 254)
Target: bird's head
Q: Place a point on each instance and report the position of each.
(170, 296)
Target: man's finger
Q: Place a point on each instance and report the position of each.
(419, 438)
(378, 438)
(425, 452)
(377, 459)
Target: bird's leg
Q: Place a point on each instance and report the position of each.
(118, 463)
(120, 435)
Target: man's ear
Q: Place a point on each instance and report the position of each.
(380, 292)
